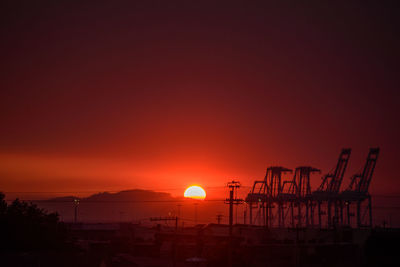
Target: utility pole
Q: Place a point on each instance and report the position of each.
(219, 218)
(179, 213)
(179, 209)
(76, 204)
(232, 200)
(195, 213)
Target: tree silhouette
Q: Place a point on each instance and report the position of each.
(24, 226)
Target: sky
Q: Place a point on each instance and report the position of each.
(160, 95)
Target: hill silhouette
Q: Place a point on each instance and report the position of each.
(135, 205)
(126, 195)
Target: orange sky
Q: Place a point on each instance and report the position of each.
(162, 96)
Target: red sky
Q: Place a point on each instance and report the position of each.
(162, 94)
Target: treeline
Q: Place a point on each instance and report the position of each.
(25, 227)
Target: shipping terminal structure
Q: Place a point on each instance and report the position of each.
(273, 202)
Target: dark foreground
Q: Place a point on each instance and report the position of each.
(210, 245)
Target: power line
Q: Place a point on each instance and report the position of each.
(115, 201)
(109, 191)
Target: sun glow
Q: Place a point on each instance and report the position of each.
(195, 192)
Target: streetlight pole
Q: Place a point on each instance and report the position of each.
(195, 213)
(76, 204)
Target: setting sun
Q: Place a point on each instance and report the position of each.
(195, 192)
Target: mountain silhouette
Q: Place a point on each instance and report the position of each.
(134, 205)
(126, 195)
